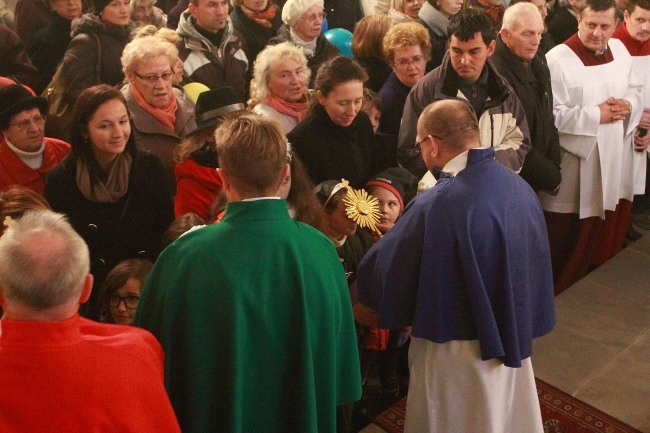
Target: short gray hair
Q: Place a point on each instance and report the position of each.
(44, 261)
(142, 49)
(513, 13)
(266, 58)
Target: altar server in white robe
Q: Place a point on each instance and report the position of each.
(597, 106)
(634, 32)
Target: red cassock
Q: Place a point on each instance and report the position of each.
(81, 376)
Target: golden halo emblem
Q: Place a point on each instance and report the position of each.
(361, 207)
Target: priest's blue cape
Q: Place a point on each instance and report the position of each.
(468, 260)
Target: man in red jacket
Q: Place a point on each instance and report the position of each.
(26, 155)
(62, 372)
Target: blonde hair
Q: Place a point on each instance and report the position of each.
(398, 5)
(134, 3)
(146, 48)
(252, 151)
(406, 35)
(265, 61)
(150, 30)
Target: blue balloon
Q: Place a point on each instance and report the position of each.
(342, 38)
(324, 26)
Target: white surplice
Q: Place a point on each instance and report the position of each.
(594, 155)
(451, 390)
(636, 162)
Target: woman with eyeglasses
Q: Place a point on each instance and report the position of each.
(26, 155)
(120, 293)
(162, 115)
(336, 140)
(113, 194)
(406, 49)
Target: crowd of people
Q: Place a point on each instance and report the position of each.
(220, 205)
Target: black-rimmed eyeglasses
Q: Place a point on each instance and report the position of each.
(130, 301)
(418, 145)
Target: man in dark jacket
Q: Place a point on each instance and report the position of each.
(49, 44)
(466, 73)
(516, 58)
(14, 62)
(212, 50)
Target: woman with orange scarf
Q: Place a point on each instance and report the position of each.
(279, 85)
(257, 21)
(162, 114)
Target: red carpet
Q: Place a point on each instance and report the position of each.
(561, 413)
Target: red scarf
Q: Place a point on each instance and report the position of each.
(297, 110)
(635, 47)
(166, 115)
(262, 18)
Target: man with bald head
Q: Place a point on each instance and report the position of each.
(468, 267)
(517, 58)
(61, 371)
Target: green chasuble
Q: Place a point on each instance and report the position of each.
(256, 322)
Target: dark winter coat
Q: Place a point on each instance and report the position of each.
(533, 87)
(29, 17)
(563, 25)
(329, 151)
(343, 14)
(48, 47)
(393, 96)
(80, 59)
(131, 227)
(378, 71)
(14, 62)
(256, 35)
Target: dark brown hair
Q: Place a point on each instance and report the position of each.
(84, 109)
(336, 71)
(118, 276)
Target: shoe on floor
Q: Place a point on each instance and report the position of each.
(632, 235)
(642, 221)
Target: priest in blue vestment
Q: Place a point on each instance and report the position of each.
(468, 267)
